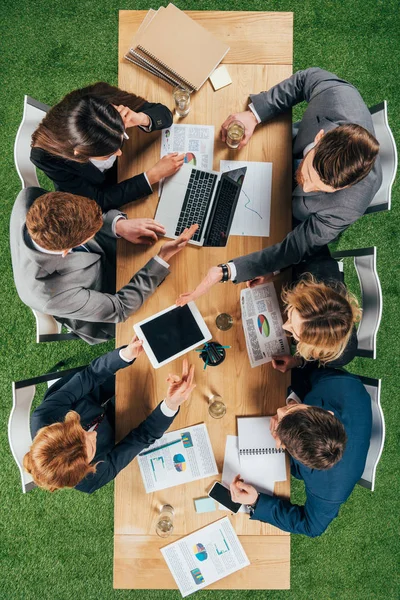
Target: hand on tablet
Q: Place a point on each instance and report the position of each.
(133, 349)
(213, 276)
(180, 388)
(168, 249)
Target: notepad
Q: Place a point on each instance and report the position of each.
(257, 449)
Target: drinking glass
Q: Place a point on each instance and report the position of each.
(165, 522)
(234, 134)
(216, 407)
(182, 101)
(224, 321)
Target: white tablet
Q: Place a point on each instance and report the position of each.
(172, 333)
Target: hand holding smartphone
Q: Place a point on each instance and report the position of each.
(223, 495)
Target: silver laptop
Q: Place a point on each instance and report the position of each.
(208, 198)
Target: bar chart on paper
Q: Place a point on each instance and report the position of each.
(253, 212)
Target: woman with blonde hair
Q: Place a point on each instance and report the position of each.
(77, 144)
(74, 428)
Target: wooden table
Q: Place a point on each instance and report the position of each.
(260, 56)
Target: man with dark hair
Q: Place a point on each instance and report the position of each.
(64, 262)
(337, 170)
(327, 437)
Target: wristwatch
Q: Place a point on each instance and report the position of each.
(226, 273)
(252, 507)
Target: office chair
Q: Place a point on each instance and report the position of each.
(34, 112)
(388, 156)
(365, 264)
(19, 432)
(373, 387)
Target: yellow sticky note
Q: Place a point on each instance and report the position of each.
(220, 78)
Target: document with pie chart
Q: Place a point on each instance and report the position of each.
(178, 457)
(262, 324)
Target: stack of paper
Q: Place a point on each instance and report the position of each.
(172, 46)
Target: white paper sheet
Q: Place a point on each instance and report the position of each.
(206, 556)
(178, 457)
(196, 141)
(258, 453)
(253, 211)
(262, 324)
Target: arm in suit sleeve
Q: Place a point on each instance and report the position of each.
(306, 238)
(98, 307)
(303, 85)
(125, 451)
(160, 115)
(56, 404)
(311, 519)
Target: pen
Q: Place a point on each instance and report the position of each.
(159, 448)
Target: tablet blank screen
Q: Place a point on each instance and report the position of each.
(172, 332)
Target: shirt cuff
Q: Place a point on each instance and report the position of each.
(147, 128)
(255, 113)
(122, 357)
(114, 223)
(161, 261)
(148, 182)
(293, 396)
(168, 412)
(233, 271)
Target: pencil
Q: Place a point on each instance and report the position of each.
(159, 448)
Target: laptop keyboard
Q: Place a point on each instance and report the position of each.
(197, 200)
(218, 232)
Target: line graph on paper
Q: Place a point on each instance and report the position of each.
(253, 212)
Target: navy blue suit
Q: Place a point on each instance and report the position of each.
(346, 397)
(85, 392)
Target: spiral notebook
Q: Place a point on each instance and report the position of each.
(178, 47)
(257, 449)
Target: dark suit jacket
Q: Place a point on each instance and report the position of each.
(84, 179)
(85, 392)
(346, 397)
(321, 216)
(324, 268)
(79, 290)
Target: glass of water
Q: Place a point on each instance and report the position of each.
(224, 321)
(216, 408)
(234, 134)
(182, 101)
(165, 522)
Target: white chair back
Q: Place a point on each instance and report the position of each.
(34, 112)
(388, 156)
(373, 387)
(372, 301)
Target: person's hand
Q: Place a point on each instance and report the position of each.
(180, 388)
(132, 118)
(139, 231)
(168, 249)
(166, 166)
(133, 349)
(243, 492)
(260, 280)
(285, 362)
(249, 121)
(213, 276)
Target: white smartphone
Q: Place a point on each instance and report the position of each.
(222, 495)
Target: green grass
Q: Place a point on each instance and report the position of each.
(60, 546)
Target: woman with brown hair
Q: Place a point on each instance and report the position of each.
(74, 427)
(80, 138)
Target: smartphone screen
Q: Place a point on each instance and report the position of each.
(222, 495)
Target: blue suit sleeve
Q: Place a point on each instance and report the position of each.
(150, 430)
(311, 519)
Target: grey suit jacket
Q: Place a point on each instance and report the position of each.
(323, 216)
(78, 290)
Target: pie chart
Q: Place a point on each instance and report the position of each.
(263, 325)
(200, 552)
(190, 158)
(179, 463)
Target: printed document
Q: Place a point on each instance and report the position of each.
(195, 141)
(178, 457)
(206, 556)
(253, 211)
(262, 324)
